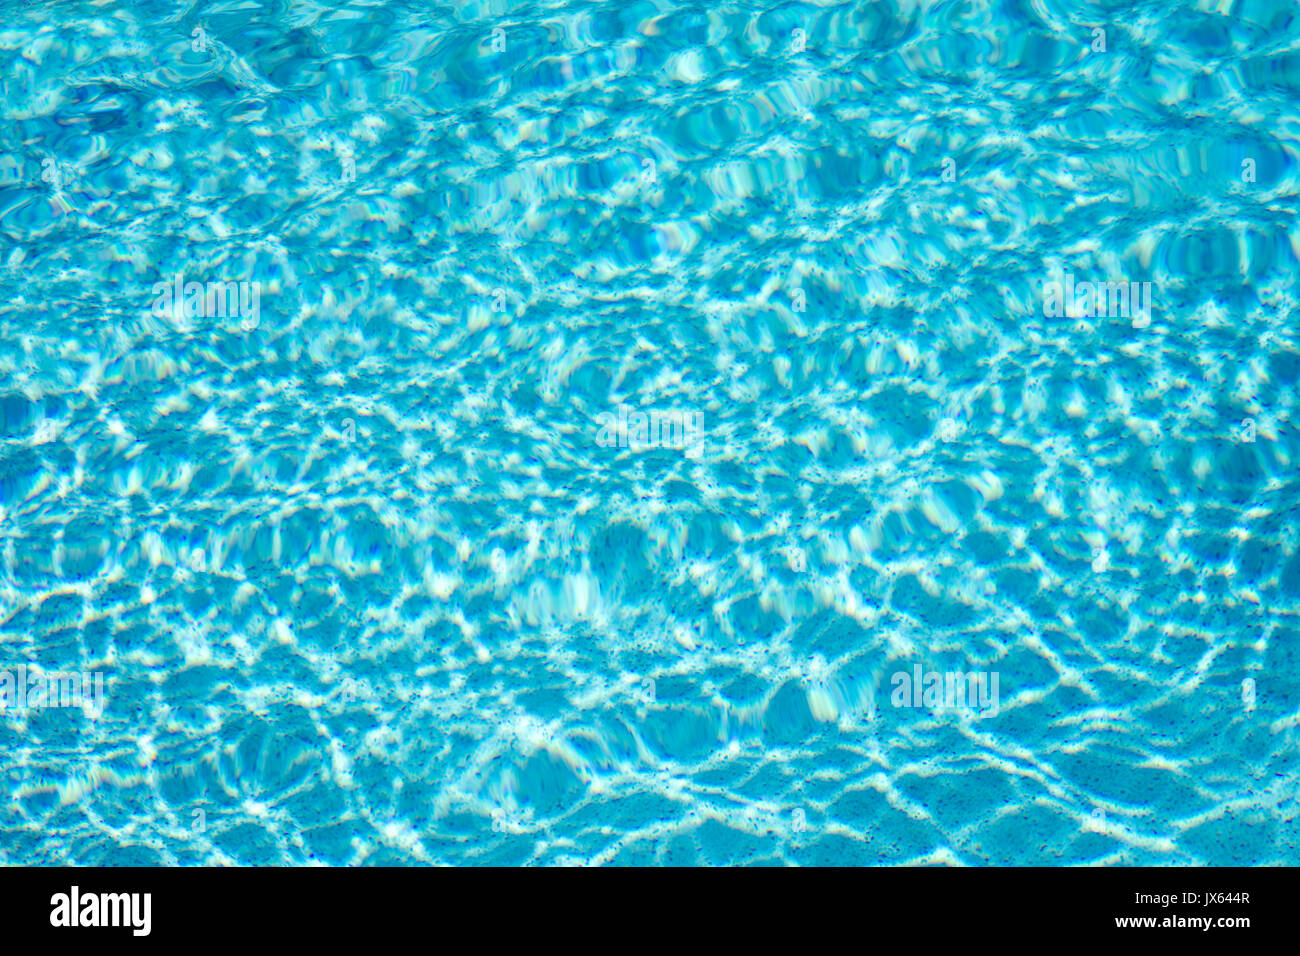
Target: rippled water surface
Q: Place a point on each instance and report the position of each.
(380, 564)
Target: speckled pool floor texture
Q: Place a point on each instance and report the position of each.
(649, 433)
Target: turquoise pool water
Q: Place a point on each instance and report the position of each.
(649, 433)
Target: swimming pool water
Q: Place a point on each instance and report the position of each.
(587, 432)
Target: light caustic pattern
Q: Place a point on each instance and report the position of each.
(381, 563)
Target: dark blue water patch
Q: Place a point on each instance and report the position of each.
(987, 548)
(961, 795)
(1039, 831)
(1278, 683)
(831, 634)
(1256, 561)
(754, 622)
(56, 612)
(788, 719)
(1110, 774)
(682, 733)
(247, 841)
(724, 845)
(890, 835)
(545, 783)
(681, 850)
(330, 842)
(837, 850)
(910, 597)
(18, 415)
(1235, 838)
(637, 811)
(1276, 71)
